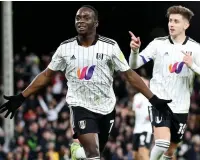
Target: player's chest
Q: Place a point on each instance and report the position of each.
(173, 54)
(171, 60)
(82, 57)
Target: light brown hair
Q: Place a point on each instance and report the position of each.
(185, 12)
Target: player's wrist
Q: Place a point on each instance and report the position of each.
(153, 99)
(135, 50)
(21, 97)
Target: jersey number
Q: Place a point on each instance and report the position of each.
(111, 125)
(182, 128)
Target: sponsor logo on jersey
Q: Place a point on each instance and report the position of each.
(85, 72)
(176, 67)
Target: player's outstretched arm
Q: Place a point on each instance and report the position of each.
(134, 59)
(135, 81)
(138, 59)
(14, 102)
(39, 82)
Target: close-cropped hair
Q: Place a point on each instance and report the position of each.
(185, 12)
(94, 10)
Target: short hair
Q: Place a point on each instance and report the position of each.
(185, 12)
(93, 9)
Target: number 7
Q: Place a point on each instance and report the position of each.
(111, 122)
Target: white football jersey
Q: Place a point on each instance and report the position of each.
(172, 79)
(89, 71)
(140, 106)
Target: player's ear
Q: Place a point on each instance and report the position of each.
(96, 23)
(186, 25)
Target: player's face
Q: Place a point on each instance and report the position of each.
(177, 25)
(85, 21)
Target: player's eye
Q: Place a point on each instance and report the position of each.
(176, 21)
(77, 18)
(86, 18)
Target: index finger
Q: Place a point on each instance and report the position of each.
(186, 54)
(132, 35)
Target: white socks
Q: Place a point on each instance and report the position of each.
(160, 147)
(94, 158)
(166, 157)
(80, 153)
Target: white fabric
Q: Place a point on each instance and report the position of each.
(172, 79)
(80, 153)
(140, 106)
(89, 71)
(160, 147)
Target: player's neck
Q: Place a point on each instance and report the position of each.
(179, 39)
(87, 40)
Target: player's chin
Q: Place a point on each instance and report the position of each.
(82, 32)
(173, 34)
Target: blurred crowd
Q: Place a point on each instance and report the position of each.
(42, 128)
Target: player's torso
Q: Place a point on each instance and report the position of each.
(89, 71)
(172, 78)
(169, 60)
(89, 64)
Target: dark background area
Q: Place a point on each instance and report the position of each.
(42, 26)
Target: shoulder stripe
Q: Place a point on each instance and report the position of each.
(192, 40)
(105, 38)
(68, 41)
(162, 38)
(107, 41)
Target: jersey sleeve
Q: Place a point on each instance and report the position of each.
(58, 63)
(137, 59)
(196, 61)
(149, 53)
(120, 63)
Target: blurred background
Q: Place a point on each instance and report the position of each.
(38, 29)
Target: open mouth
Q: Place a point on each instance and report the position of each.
(81, 27)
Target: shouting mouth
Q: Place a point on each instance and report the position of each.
(81, 28)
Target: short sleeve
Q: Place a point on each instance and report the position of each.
(149, 53)
(197, 56)
(196, 60)
(58, 62)
(119, 60)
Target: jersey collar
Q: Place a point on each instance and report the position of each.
(185, 41)
(93, 43)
